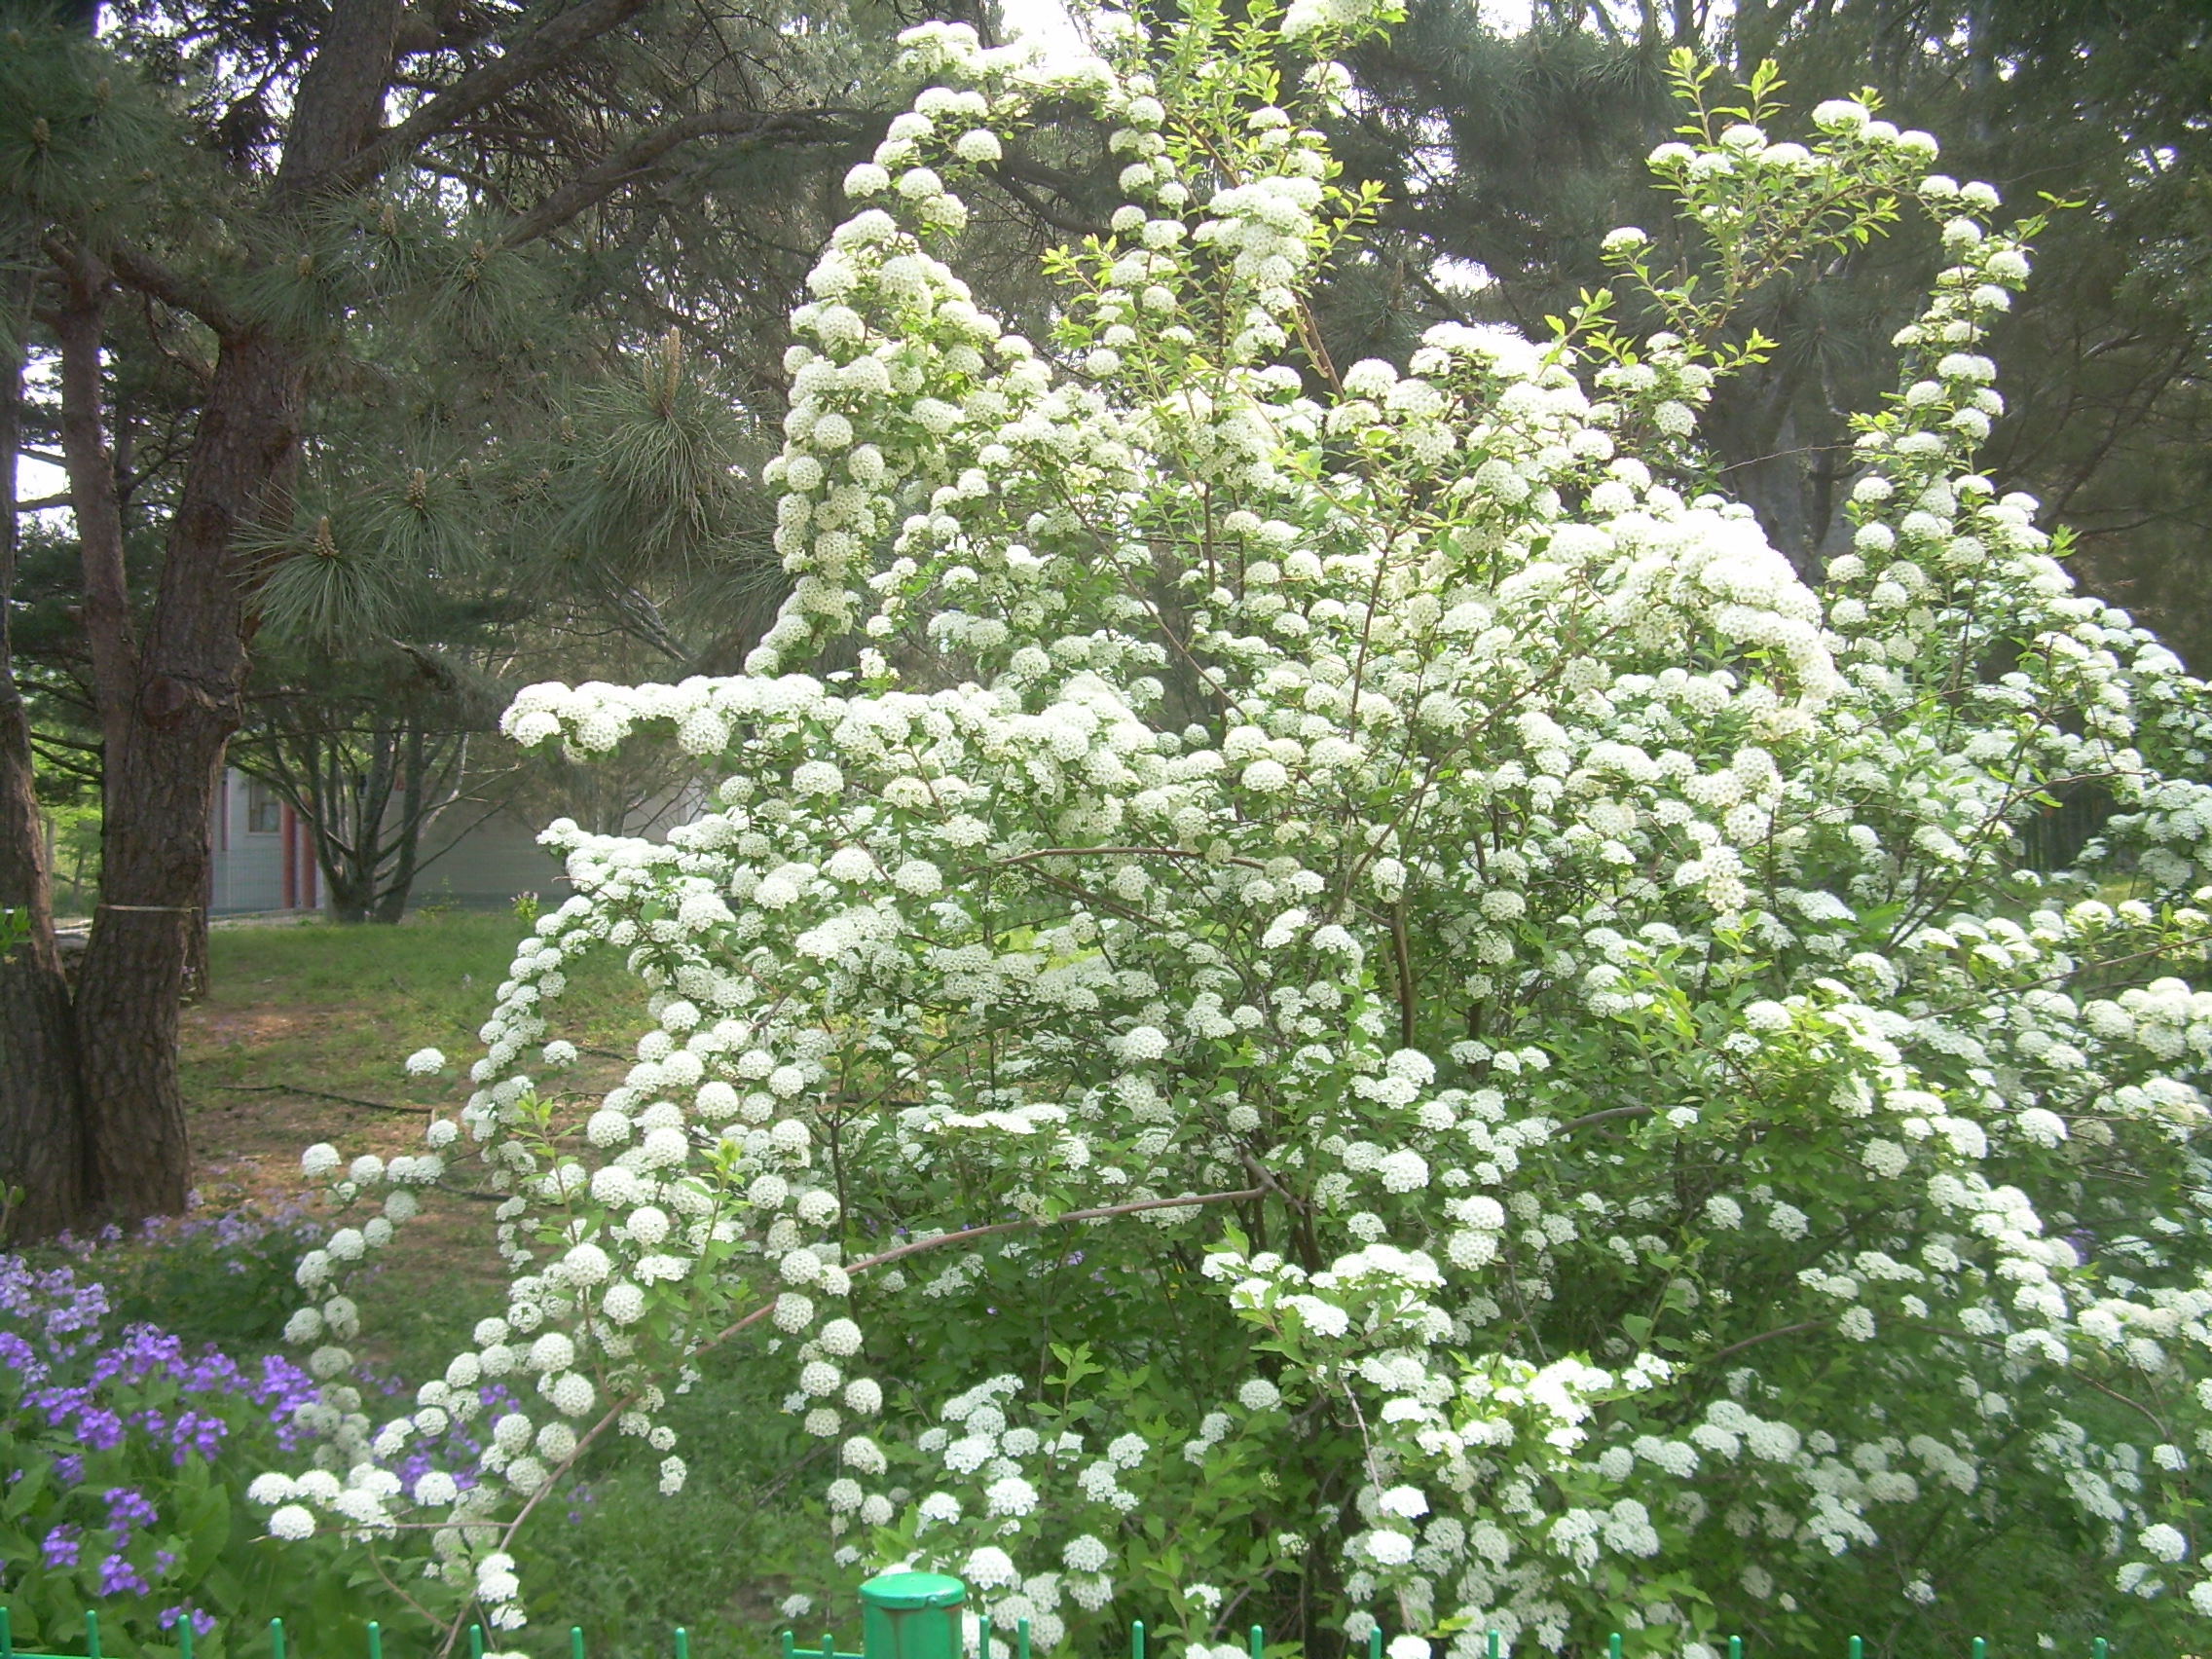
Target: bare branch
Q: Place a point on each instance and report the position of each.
(140, 271)
(643, 153)
(524, 61)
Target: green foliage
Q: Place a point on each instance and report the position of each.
(223, 1279)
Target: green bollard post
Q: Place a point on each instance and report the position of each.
(92, 1635)
(184, 1635)
(376, 1641)
(913, 1615)
(276, 1638)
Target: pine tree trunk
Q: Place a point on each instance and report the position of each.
(180, 714)
(41, 1146)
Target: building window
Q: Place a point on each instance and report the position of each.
(264, 809)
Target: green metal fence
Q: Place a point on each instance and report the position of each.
(903, 1615)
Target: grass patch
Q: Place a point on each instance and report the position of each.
(339, 1007)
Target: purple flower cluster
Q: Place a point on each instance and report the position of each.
(126, 1422)
(103, 1400)
(83, 1409)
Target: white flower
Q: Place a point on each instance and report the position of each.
(292, 1522)
(571, 1394)
(587, 1264)
(2163, 1543)
(425, 1062)
(1010, 1496)
(1143, 1043)
(1259, 1395)
(1086, 1554)
(551, 1352)
(1390, 1549)
(623, 1302)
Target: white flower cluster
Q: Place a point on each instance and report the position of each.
(1594, 974)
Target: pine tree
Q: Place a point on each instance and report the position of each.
(245, 192)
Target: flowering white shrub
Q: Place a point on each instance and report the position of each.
(1365, 1002)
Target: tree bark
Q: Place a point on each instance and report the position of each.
(42, 1144)
(106, 610)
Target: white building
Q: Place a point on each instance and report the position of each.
(471, 857)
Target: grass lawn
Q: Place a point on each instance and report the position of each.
(300, 1012)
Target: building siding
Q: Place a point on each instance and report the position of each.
(469, 858)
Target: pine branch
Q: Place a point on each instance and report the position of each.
(543, 48)
(138, 270)
(596, 183)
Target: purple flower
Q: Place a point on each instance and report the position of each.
(127, 1508)
(201, 1622)
(117, 1577)
(198, 1431)
(62, 1545)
